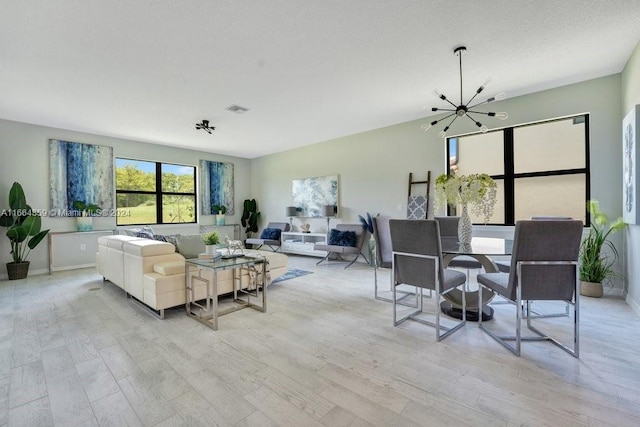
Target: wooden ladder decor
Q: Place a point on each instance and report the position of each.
(418, 206)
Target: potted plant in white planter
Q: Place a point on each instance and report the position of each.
(23, 231)
(595, 265)
(85, 213)
(211, 241)
(219, 211)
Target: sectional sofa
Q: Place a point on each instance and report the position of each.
(153, 272)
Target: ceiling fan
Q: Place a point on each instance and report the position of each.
(205, 126)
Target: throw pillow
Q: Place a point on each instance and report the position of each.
(271, 234)
(342, 238)
(190, 246)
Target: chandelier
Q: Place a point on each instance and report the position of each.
(465, 108)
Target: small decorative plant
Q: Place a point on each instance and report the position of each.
(211, 238)
(367, 222)
(476, 190)
(219, 209)
(596, 265)
(86, 209)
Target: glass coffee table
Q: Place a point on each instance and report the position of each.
(481, 249)
(250, 270)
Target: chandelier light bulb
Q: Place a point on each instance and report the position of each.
(426, 127)
(500, 96)
(484, 129)
(442, 134)
(502, 116)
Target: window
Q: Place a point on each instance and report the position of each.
(154, 193)
(540, 168)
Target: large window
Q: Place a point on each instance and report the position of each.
(540, 169)
(154, 193)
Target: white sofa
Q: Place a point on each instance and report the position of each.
(154, 273)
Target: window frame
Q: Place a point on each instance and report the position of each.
(159, 193)
(509, 176)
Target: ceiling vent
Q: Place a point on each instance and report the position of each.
(237, 109)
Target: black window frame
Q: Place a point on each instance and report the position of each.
(509, 176)
(159, 193)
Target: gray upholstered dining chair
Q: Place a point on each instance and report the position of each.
(341, 242)
(544, 266)
(384, 255)
(417, 261)
(270, 236)
(504, 265)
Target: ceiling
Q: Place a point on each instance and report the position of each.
(307, 70)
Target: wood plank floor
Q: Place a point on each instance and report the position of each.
(76, 352)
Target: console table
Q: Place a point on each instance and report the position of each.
(302, 243)
(207, 313)
(73, 249)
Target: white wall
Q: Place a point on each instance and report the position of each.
(24, 157)
(631, 97)
(374, 166)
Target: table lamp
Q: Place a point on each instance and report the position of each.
(291, 212)
(330, 211)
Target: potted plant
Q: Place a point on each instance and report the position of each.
(84, 214)
(211, 241)
(219, 211)
(23, 231)
(595, 265)
(477, 190)
(250, 217)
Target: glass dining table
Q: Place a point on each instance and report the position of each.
(481, 249)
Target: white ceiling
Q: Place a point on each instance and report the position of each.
(307, 70)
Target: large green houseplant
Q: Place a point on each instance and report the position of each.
(24, 231)
(250, 215)
(597, 265)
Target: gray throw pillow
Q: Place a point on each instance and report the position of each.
(190, 246)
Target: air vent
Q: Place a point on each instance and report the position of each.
(237, 109)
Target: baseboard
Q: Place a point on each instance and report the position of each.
(633, 304)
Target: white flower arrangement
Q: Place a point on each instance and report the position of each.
(476, 190)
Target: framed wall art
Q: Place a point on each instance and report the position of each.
(216, 186)
(311, 195)
(80, 172)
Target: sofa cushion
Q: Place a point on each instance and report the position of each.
(343, 238)
(169, 268)
(190, 246)
(116, 241)
(271, 234)
(146, 247)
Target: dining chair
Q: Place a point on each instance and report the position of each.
(544, 267)
(417, 261)
(504, 265)
(384, 256)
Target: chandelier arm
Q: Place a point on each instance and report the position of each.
(443, 109)
(474, 96)
(451, 122)
(479, 103)
(477, 123)
(446, 117)
(490, 113)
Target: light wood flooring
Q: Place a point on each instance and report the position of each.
(76, 352)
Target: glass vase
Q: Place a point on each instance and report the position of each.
(465, 228)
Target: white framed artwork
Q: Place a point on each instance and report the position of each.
(630, 176)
